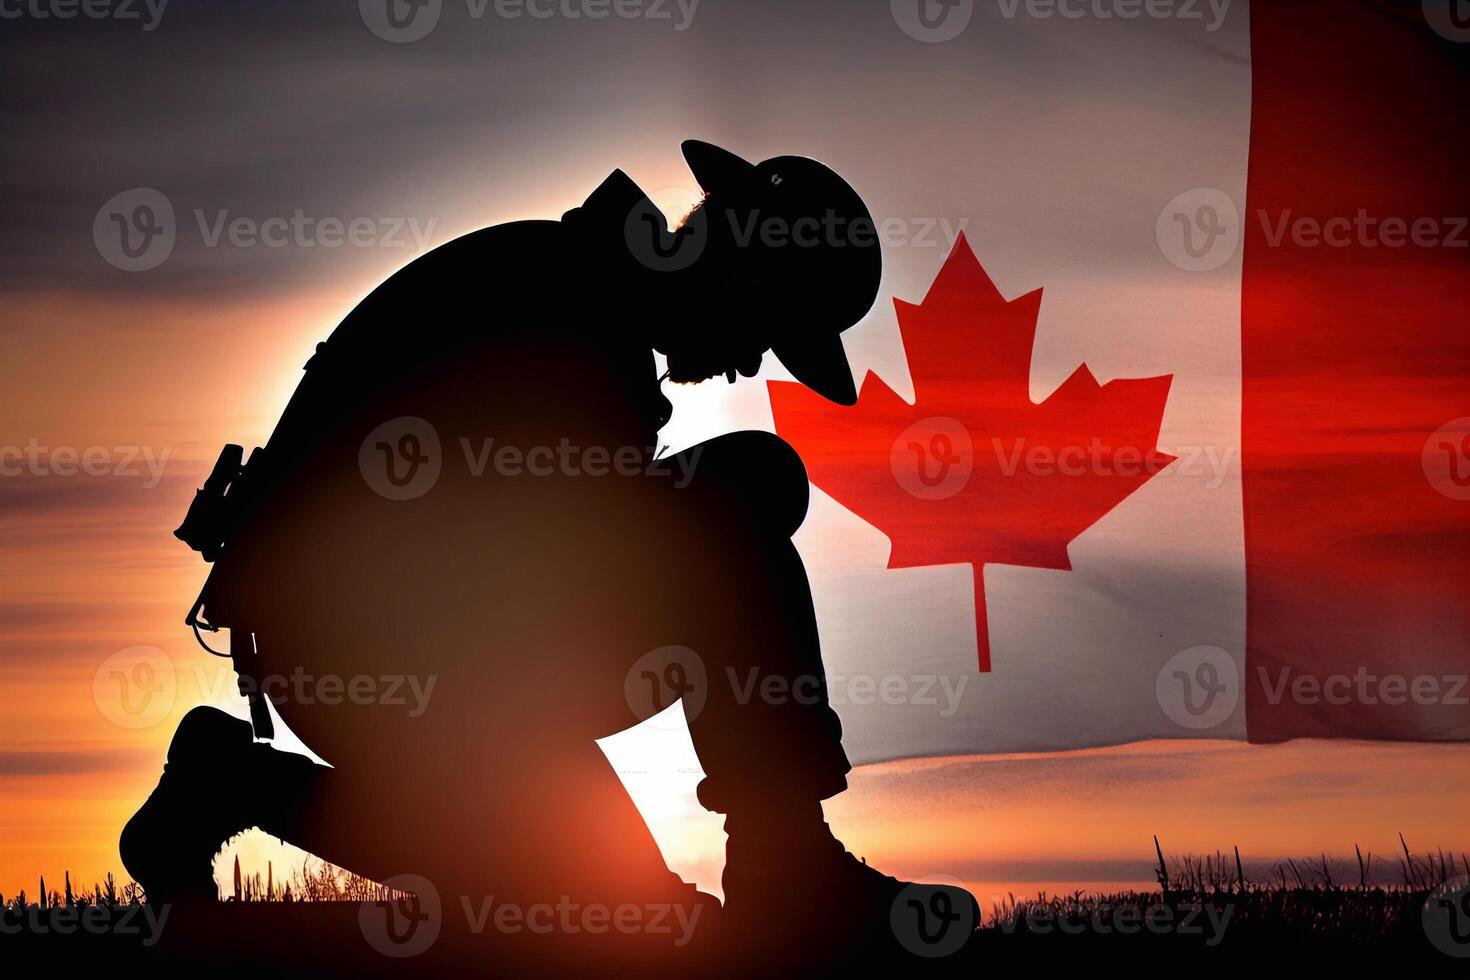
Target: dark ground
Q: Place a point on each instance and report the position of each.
(326, 939)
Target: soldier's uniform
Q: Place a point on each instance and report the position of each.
(383, 542)
(532, 601)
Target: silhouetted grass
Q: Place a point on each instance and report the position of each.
(1294, 896)
(1290, 894)
(107, 894)
(314, 881)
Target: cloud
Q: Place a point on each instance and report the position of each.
(72, 762)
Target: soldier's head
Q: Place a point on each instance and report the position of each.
(780, 256)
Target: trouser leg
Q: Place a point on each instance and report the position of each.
(518, 810)
(764, 728)
(529, 815)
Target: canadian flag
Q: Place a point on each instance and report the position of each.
(1165, 430)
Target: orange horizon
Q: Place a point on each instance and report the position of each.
(90, 568)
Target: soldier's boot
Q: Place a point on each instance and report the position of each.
(216, 783)
(789, 879)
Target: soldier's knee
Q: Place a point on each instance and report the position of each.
(757, 475)
(204, 731)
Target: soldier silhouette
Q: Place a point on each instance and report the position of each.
(463, 491)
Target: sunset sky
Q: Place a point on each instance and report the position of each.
(118, 388)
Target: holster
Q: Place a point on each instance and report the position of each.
(218, 514)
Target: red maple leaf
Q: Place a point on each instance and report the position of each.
(974, 471)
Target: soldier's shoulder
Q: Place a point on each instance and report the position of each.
(510, 269)
(506, 249)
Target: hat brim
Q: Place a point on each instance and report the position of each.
(716, 168)
(820, 363)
